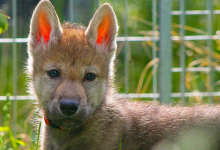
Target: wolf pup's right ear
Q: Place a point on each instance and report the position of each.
(45, 25)
(102, 29)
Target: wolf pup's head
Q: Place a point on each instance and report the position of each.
(70, 66)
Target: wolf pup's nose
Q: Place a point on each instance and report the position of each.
(69, 106)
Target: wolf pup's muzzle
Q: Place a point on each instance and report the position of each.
(68, 107)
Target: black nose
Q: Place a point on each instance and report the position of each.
(69, 106)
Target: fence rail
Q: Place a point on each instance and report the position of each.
(131, 38)
(130, 95)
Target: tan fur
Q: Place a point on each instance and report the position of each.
(102, 118)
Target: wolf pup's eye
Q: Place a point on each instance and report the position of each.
(90, 76)
(53, 73)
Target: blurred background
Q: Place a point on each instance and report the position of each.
(193, 76)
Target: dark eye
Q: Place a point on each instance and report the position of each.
(90, 76)
(53, 73)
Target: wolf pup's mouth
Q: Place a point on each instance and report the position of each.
(62, 123)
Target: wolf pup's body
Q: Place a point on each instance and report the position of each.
(72, 74)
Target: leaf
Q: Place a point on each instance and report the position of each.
(1, 142)
(3, 21)
(4, 128)
(20, 142)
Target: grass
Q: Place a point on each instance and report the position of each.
(120, 143)
(197, 55)
(7, 139)
(1, 142)
(38, 137)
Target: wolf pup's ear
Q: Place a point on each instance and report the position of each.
(103, 28)
(45, 25)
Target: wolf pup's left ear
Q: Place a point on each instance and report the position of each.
(103, 28)
(45, 25)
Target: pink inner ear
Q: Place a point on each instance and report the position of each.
(44, 28)
(103, 31)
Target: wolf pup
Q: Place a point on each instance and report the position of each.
(72, 75)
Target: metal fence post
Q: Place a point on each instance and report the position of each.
(71, 16)
(97, 4)
(154, 47)
(165, 52)
(14, 32)
(210, 46)
(182, 51)
(126, 48)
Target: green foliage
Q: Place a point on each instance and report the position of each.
(5, 131)
(120, 143)
(5, 110)
(1, 142)
(3, 21)
(38, 137)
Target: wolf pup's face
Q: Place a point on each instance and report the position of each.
(70, 65)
